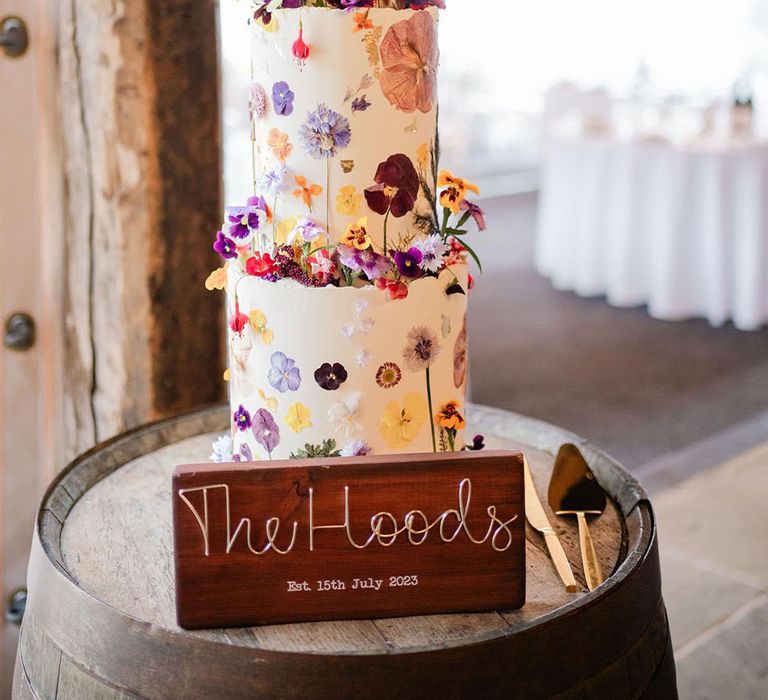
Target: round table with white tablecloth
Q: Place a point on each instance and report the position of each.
(681, 229)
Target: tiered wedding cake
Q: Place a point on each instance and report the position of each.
(346, 273)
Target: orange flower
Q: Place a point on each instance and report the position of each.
(280, 144)
(306, 191)
(362, 22)
(448, 416)
(455, 190)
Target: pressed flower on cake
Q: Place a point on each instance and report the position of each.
(242, 418)
(298, 417)
(344, 416)
(420, 352)
(409, 57)
(348, 201)
(324, 133)
(401, 423)
(330, 376)
(284, 375)
(257, 104)
(460, 356)
(306, 191)
(282, 98)
(266, 431)
(259, 324)
(280, 144)
(388, 375)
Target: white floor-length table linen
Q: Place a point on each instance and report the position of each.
(683, 230)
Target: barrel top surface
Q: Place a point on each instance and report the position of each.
(113, 538)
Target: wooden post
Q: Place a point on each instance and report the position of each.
(139, 122)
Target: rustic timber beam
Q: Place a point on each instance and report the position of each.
(141, 151)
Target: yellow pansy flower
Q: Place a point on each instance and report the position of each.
(298, 417)
(422, 156)
(401, 424)
(270, 401)
(348, 201)
(284, 229)
(217, 279)
(357, 236)
(259, 324)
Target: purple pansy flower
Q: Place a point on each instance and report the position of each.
(243, 221)
(242, 419)
(224, 246)
(408, 263)
(265, 430)
(325, 132)
(368, 261)
(282, 98)
(284, 375)
(360, 104)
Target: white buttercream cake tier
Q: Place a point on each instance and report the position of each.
(339, 363)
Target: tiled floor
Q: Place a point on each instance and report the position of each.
(714, 547)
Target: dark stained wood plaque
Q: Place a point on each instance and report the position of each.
(346, 538)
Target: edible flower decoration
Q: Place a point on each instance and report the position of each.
(306, 191)
(325, 132)
(455, 189)
(282, 98)
(450, 421)
(421, 350)
(409, 57)
(401, 423)
(357, 236)
(300, 48)
(396, 189)
(330, 376)
(238, 321)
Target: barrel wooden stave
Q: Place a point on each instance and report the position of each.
(506, 654)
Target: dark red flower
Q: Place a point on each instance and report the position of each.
(396, 188)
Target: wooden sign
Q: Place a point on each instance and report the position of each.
(346, 538)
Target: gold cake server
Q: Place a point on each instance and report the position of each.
(534, 511)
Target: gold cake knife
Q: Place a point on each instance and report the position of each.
(534, 511)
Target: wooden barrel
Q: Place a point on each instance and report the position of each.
(100, 619)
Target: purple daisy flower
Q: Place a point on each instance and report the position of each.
(284, 375)
(324, 133)
(408, 263)
(224, 246)
(354, 4)
(282, 98)
(265, 430)
(243, 221)
(273, 182)
(368, 261)
(242, 419)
